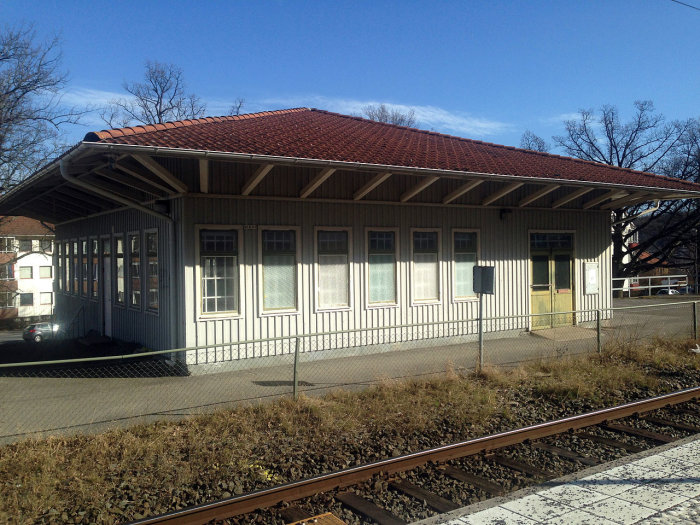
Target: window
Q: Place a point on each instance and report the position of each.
(26, 299)
(25, 272)
(94, 251)
(464, 252)
(46, 298)
(7, 271)
(152, 274)
(59, 260)
(279, 269)
(84, 266)
(74, 267)
(381, 250)
(426, 266)
(7, 299)
(7, 244)
(45, 272)
(25, 245)
(46, 245)
(119, 255)
(218, 252)
(135, 270)
(333, 264)
(66, 255)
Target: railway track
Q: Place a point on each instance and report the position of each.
(486, 466)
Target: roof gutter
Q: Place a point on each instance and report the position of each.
(648, 210)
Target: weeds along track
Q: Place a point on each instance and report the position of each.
(415, 486)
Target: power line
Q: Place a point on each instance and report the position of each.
(687, 5)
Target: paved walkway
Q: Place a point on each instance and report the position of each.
(659, 486)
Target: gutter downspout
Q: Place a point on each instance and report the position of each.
(628, 219)
(172, 277)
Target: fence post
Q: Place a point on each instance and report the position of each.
(695, 319)
(480, 364)
(598, 320)
(296, 364)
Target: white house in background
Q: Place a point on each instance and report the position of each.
(26, 270)
(215, 231)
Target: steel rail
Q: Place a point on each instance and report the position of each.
(295, 490)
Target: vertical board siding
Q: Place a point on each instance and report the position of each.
(151, 330)
(503, 242)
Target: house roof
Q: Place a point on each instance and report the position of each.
(136, 167)
(16, 225)
(315, 134)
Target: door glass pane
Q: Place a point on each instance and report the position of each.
(562, 272)
(382, 279)
(464, 274)
(279, 282)
(540, 272)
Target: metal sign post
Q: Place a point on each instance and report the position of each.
(483, 283)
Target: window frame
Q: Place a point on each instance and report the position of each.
(24, 240)
(128, 278)
(453, 268)
(24, 294)
(10, 302)
(397, 246)
(201, 315)
(317, 306)
(84, 263)
(260, 273)
(440, 258)
(147, 268)
(94, 266)
(8, 241)
(75, 267)
(31, 272)
(10, 271)
(41, 303)
(114, 255)
(50, 272)
(67, 267)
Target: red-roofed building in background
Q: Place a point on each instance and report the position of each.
(209, 232)
(26, 271)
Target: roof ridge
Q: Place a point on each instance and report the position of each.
(94, 136)
(503, 146)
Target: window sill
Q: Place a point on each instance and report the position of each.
(333, 309)
(430, 302)
(377, 306)
(470, 299)
(215, 316)
(272, 313)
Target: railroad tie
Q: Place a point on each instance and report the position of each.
(632, 449)
(431, 499)
(368, 509)
(668, 423)
(474, 480)
(632, 431)
(568, 454)
(520, 466)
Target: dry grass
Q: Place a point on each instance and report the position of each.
(167, 465)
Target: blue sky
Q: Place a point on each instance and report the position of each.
(486, 70)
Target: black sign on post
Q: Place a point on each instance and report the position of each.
(483, 279)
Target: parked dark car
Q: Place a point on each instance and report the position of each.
(668, 291)
(38, 332)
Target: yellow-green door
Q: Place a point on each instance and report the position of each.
(551, 287)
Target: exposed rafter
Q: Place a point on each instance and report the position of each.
(373, 183)
(501, 193)
(539, 194)
(158, 170)
(139, 176)
(126, 181)
(204, 175)
(409, 194)
(314, 183)
(256, 178)
(634, 198)
(571, 197)
(612, 194)
(102, 184)
(464, 188)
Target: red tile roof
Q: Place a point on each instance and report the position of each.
(322, 135)
(16, 225)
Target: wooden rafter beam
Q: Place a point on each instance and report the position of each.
(373, 183)
(612, 194)
(464, 188)
(501, 193)
(204, 175)
(539, 194)
(109, 187)
(314, 183)
(256, 178)
(75, 193)
(126, 181)
(634, 198)
(140, 177)
(415, 190)
(158, 170)
(570, 197)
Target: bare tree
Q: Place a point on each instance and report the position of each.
(533, 142)
(32, 114)
(159, 98)
(236, 107)
(647, 143)
(381, 113)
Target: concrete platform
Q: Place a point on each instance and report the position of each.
(657, 486)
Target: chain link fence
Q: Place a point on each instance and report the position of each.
(88, 395)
